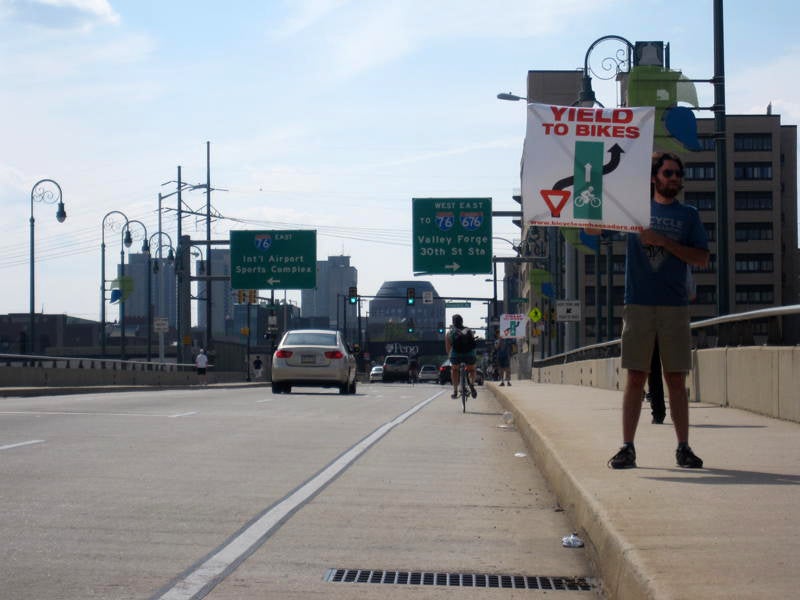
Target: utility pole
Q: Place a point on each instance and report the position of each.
(209, 285)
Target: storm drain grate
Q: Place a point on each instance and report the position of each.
(478, 580)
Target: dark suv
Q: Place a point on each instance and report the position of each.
(395, 367)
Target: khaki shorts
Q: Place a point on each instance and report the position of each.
(640, 327)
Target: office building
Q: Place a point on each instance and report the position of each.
(163, 289)
(222, 299)
(327, 303)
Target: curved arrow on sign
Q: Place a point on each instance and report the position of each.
(562, 196)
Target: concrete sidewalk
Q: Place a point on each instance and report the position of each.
(729, 530)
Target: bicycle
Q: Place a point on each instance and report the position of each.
(463, 380)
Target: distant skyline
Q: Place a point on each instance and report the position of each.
(327, 115)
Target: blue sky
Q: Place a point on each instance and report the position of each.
(321, 114)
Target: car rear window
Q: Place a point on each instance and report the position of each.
(310, 339)
(396, 360)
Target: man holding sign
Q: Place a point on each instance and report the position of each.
(656, 306)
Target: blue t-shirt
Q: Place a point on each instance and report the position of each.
(654, 276)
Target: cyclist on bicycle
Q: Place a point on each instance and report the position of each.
(459, 344)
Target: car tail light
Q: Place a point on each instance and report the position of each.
(334, 354)
(283, 354)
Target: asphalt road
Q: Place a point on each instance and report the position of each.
(220, 493)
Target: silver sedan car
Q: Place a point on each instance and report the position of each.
(313, 357)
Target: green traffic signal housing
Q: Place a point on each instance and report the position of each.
(352, 295)
(411, 296)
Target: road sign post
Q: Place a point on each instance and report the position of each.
(452, 236)
(282, 259)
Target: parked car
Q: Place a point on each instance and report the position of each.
(445, 373)
(313, 357)
(376, 374)
(395, 367)
(428, 373)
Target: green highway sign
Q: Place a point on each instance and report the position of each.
(280, 259)
(452, 235)
(458, 305)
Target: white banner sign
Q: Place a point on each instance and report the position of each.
(587, 167)
(513, 326)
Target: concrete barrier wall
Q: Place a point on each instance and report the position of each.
(761, 379)
(73, 377)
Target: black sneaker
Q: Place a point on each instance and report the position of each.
(454, 395)
(658, 421)
(472, 391)
(687, 459)
(508, 383)
(624, 459)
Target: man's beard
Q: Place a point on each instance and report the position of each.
(667, 190)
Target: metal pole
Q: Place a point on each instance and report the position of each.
(103, 295)
(598, 304)
(247, 357)
(149, 267)
(122, 297)
(610, 289)
(720, 134)
(360, 347)
(31, 333)
(209, 283)
(179, 316)
(570, 287)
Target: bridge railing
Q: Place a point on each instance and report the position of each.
(770, 326)
(67, 362)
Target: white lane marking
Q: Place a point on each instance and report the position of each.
(28, 443)
(267, 400)
(206, 575)
(186, 414)
(85, 414)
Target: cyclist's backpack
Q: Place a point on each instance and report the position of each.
(463, 341)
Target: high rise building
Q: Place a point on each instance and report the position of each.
(163, 290)
(329, 299)
(222, 300)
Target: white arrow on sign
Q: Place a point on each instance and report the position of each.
(272, 281)
(454, 267)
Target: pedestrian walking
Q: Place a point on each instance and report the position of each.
(258, 365)
(201, 362)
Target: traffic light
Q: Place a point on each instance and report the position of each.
(441, 327)
(411, 326)
(252, 297)
(352, 294)
(411, 296)
(240, 296)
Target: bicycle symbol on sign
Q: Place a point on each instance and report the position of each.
(587, 197)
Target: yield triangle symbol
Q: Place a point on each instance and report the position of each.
(555, 200)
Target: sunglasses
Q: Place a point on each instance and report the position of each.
(669, 173)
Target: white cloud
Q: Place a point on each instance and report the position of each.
(375, 34)
(60, 14)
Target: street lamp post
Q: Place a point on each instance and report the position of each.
(41, 192)
(127, 241)
(103, 275)
(153, 269)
